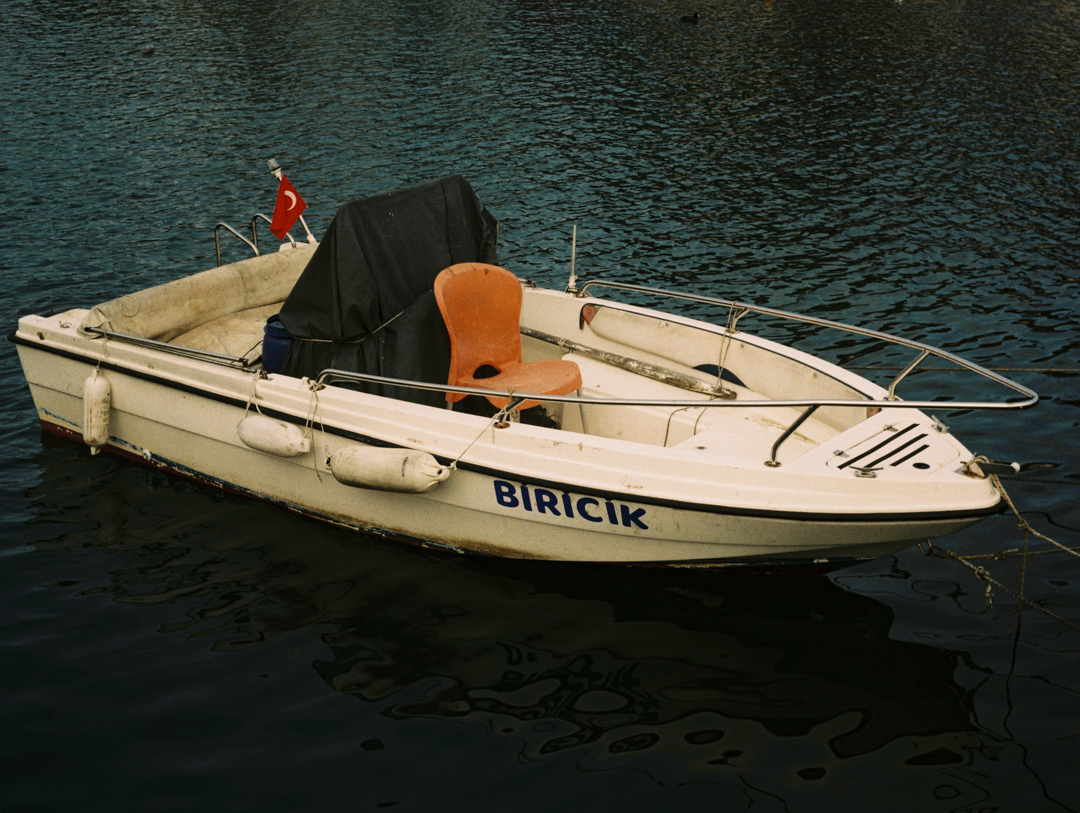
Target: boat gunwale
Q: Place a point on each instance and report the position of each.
(1031, 397)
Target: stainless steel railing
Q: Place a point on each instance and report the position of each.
(330, 375)
(738, 309)
(238, 235)
(253, 243)
(255, 235)
(173, 349)
(742, 308)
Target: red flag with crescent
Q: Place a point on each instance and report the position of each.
(287, 210)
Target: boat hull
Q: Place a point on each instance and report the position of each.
(177, 415)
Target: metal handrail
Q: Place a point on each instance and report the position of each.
(809, 405)
(174, 349)
(915, 363)
(346, 375)
(889, 402)
(217, 240)
(788, 433)
(1031, 398)
(255, 235)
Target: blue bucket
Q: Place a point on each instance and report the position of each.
(276, 341)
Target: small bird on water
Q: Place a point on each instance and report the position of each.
(690, 18)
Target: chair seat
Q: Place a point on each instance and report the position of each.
(541, 377)
(481, 306)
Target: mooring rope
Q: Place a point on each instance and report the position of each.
(260, 375)
(309, 424)
(725, 346)
(1022, 523)
(718, 390)
(984, 575)
(499, 417)
(361, 340)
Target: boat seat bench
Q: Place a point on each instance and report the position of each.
(202, 310)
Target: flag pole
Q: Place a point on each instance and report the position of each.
(276, 168)
(571, 286)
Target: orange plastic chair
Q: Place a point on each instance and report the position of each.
(481, 306)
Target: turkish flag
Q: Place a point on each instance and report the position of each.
(287, 210)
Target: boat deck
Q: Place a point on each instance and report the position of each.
(238, 335)
(729, 432)
(743, 432)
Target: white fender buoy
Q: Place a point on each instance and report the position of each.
(273, 436)
(97, 401)
(403, 470)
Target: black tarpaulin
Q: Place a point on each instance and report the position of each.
(365, 302)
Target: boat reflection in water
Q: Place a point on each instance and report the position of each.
(781, 685)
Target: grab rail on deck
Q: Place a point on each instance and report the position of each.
(255, 234)
(217, 239)
(891, 402)
(331, 374)
(174, 349)
(739, 309)
(772, 462)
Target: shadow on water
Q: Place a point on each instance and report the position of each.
(781, 685)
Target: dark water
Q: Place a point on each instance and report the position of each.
(911, 167)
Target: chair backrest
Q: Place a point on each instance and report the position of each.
(481, 306)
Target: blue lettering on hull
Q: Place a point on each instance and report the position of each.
(567, 507)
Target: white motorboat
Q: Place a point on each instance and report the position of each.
(660, 439)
